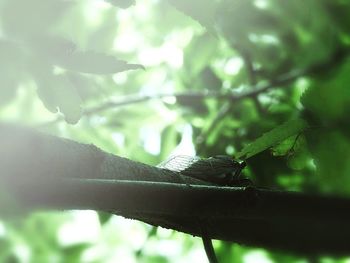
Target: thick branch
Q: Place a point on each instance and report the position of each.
(24, 151)
(46, 172)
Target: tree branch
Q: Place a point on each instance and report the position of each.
(336, 59)
(253, 91)
(46, 172)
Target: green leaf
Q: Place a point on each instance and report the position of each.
(197, 55)
(64, 53)
(58, 92)
(202, 11)
(95, 63)
(286, 146)
(272, 137)
(328, 99)
(236, 20)
(331, 153)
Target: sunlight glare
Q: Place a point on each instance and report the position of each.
(94, 11)
(2, 229)
(262, 4)
(233, 66)
(265, 39)
(150, 56)
(143, 10)
(22, 252)
(120, 78)
(151, 139)
(127, 42)
(118, 138)
(257, 256)
(172, 55)
(83, 227)
(186, 146)
(169, 100)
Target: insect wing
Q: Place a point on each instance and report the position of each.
(221, 170)
(178, 163)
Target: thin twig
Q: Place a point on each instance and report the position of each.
(254, 90)
(252, 78)
(200, 140)
(209, 249)
(338, 57)
(249, 66)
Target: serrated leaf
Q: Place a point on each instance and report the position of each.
(202, 11)
(58, 93)
(286, 146)
(64, 53)
(272, 137)
(95, 63)
(84, 85)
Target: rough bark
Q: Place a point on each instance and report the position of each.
(45, 172)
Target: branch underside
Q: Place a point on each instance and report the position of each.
(46, 172)
(251, 216)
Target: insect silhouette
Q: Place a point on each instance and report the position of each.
(220, 169)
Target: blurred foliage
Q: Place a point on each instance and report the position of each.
(65, 62)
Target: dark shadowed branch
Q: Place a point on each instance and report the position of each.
(55, 173)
